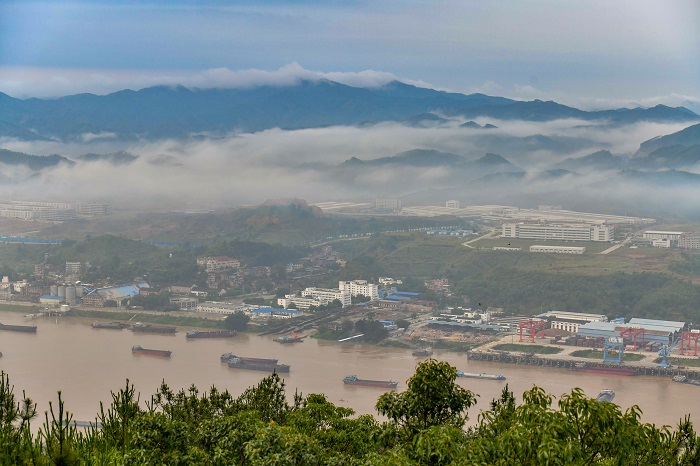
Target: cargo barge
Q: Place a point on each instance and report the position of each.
(150, 352)
(18, 328)
(353, 380)
(226, 357)
(210, 334)
(238, 363)
(110, 325)
(474, 375)
(148, 328)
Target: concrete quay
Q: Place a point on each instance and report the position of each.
(532, 360)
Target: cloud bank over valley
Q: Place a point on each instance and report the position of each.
(361, 163)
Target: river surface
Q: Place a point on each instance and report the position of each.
(86, 364)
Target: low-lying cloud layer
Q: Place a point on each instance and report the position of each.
(245, 169)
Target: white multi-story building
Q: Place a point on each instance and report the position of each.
(214, 307)
(689, 241)
(570, 321)
(73, 268)
(360, 287)
(215, 264)
(91, 210)
(670, 235)
(387, 204)
(661, 243)
(550, 232)
(452, 204)
(299, 302)
(185, 304)
(327, 295)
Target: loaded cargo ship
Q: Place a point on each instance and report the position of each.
(148, 328)
(138, 349)
(474, 375)
(238, 363)
(226, 357)
(18, 328)
(210, 334)
(605, 370)
(353, 380)
(110, 325)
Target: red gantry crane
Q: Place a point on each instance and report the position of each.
(533, 325)
(686, 339)
(633, 332)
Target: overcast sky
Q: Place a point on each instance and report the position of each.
(591, 53)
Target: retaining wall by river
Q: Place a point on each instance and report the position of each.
(532, 360)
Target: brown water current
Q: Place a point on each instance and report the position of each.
(67, 354)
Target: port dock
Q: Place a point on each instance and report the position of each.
(532, 360)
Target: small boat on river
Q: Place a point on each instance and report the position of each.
(606, 395)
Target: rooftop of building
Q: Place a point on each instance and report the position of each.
(573, 315)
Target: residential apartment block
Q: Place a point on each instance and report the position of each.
(689, 241)
(215, 264)
(327, 295)
(360, 287)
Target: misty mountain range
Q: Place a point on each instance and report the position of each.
(178, 112)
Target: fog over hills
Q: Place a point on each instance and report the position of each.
(179, 148)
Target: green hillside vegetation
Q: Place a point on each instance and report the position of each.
(294, 223)
(122, 259)
(425, 425)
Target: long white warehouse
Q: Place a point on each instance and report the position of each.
(549, 232)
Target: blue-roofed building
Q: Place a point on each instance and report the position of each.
(388, 324)
(273, 312)
(663, 332)
(51, 300)
(396, 295)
